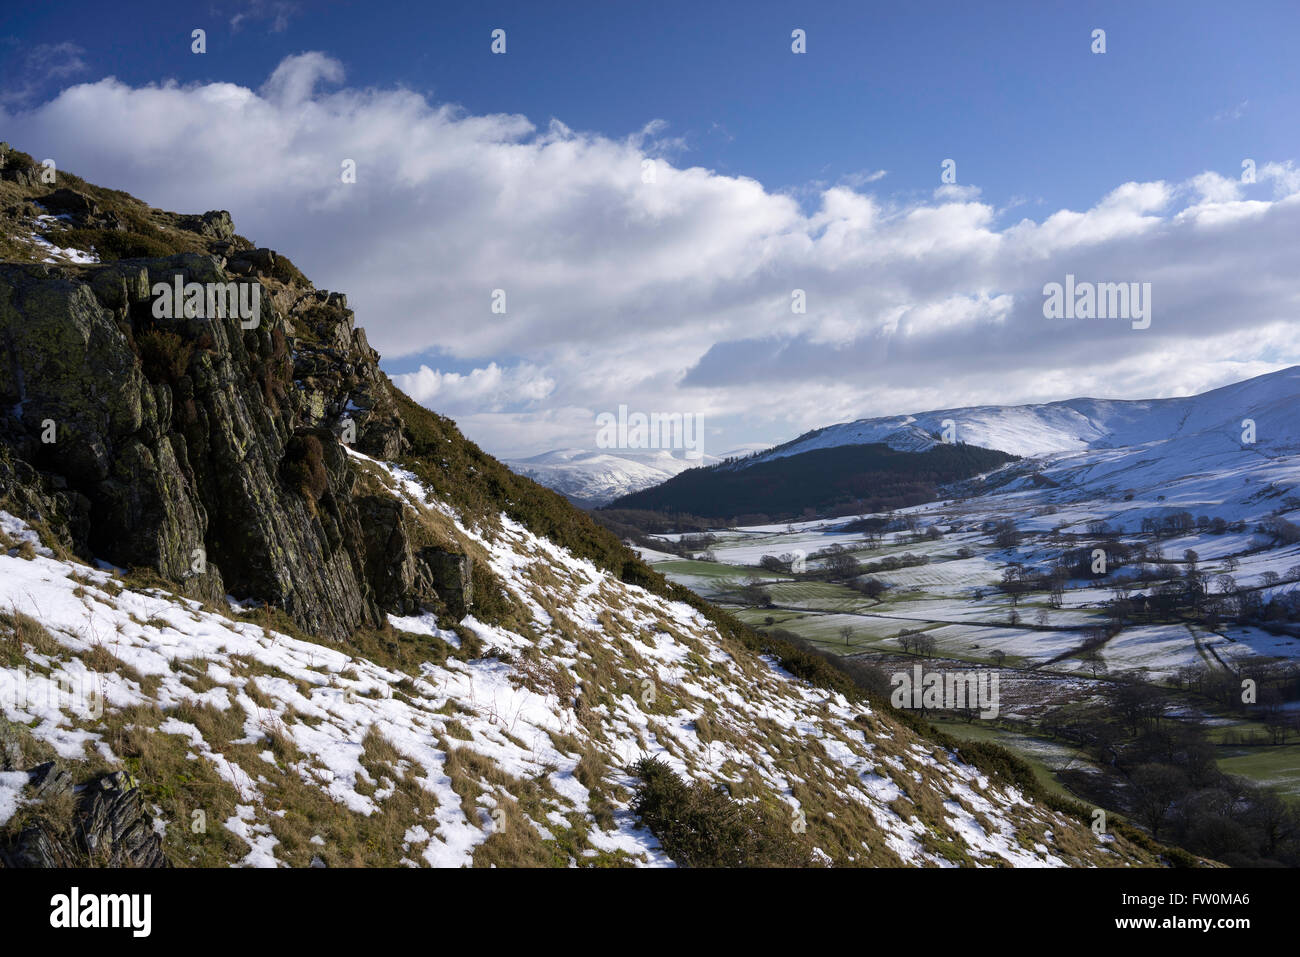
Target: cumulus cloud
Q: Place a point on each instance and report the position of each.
(1285, 177)
(492, 388)
(670, 287)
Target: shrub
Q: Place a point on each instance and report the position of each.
(492, 603)
(287, 272)
(114, 244)
(702, 826)
(164, 355)
(274, 372)
(303, 468)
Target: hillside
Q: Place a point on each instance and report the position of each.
(837, 480)
(260, 608)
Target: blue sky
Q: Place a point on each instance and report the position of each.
(1009, 89)
(1037, 124)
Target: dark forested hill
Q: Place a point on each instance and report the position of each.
(844, 479)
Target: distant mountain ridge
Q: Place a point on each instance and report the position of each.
(1102, 445)
(1073, 424)
(832, 481)
(596, 477)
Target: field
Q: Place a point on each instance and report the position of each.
(942, 567)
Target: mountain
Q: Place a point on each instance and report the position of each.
(260, 608)
(1074, 424)
(598, 477)
(898, 461)
(1231, 454)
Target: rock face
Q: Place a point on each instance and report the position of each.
(103, 823)
(209, 449)
(405, 576)
(22, 172)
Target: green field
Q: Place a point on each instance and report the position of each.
(1040, 754)
(1278, 766)
(718, 570)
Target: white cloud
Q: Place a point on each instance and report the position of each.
(1234, 113)
(491, 388)
(675, 295)
(862, 178)
(1284, 176)
(1214, 188)
(277, 12)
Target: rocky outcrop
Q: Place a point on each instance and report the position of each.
(17, 168)
(406, 577)
(103, 823)
(115, 828)
(337, 374)
(449, 575)
(209, 449)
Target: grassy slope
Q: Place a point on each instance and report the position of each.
(474, 481)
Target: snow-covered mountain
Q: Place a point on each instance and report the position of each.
(1190, 454)
(1077, 424)
(597, 477)
(1228, 447)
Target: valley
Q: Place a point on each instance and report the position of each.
(1168, 565)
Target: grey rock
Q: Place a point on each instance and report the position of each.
(108, 828)
(178, 435)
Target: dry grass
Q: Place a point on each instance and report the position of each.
(25, 632)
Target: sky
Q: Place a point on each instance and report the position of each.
(650, 191)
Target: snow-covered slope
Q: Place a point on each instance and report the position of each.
(598, 477)
(482, 744)
(1078, 424)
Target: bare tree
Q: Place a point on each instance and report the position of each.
(1156, 788)
(1095, 662)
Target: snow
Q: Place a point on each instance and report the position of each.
(599, 477)
(55, 253)
(1080, 424)
(326, 702)
(11, 785)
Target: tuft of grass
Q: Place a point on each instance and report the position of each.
(303, 468)
(24, 631)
